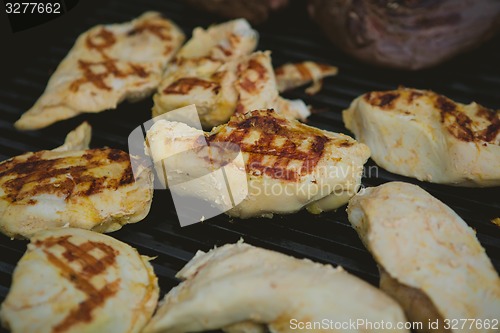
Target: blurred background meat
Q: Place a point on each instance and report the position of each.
(255, 11)
(408, 34)
(404, 34)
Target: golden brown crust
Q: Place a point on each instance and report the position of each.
(461, 126)
(269, 128)
(384, 100)
(452, 115)
(104, 39)
(162, 31)
(90, 267)
(183, 86)
(250, 74)
(106, 65)
(101, 41)
(97, 77)
(32, 174)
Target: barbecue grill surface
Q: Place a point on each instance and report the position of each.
(291, 36)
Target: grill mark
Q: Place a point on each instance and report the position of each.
(460, 125)
(116, 155)
(95, 185)
(234, 40)
(282, 164)
(258, 67)
(127, 176)
(303, 71)
(84, 311)
(38, 173)
(247, 83)
(324, 68)
(456, 122)
(384, 100)
(239, 107)
(162, 31)
(226, 52)
(345, 143)
(138, 70)
(490, 133)
(414, 95)
(445, 105)
(168, 49)
(90, 266)
(111, 69)
(269, 127)
(108, 40)
(185, 85)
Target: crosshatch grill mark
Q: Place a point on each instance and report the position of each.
(90, 266)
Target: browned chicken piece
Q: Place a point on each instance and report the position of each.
(72, 186)
(288, 165)
(203, 71)
(78, 281)
(107, 64)
(215, 71)
(293, 75)
(243, 84)
(425, 135)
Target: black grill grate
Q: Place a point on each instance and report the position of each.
(291, 36)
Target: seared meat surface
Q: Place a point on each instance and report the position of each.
(427, 136)
(74, 280)
(289, 165)
(107, 64)
(85, 188)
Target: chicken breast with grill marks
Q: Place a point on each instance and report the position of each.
(427, 136)
(250, 285)
(256, 88)
(191, 77)
(78, 281)
(288, 165)
(430, 259)
(215, 71)
(293, 75)
(107, 64)
(72, 186)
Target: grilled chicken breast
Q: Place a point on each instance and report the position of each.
(288, 165)
(107, 64)
(293, 75)
(430, 260)
(256, 88)
(247, 284)
(215, 71)
(85, 188)
(192, 73)
(427, 136)
(73, 280)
